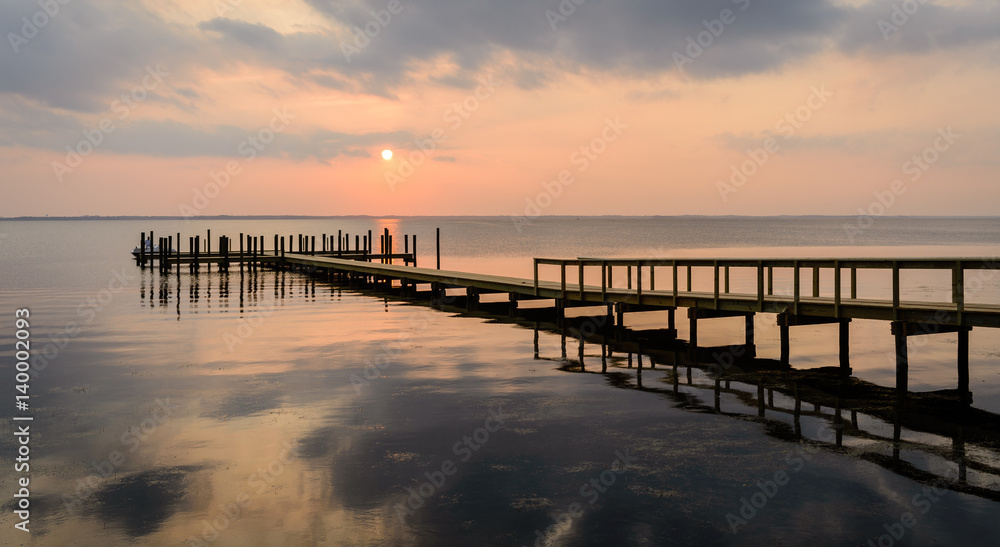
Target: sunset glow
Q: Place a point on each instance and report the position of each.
(724, 107)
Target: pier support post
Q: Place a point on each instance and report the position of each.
(471, 298)
(845, 346)
(693, 338)
(902, 358)
(963, 367)
(751, 346)
(783, 328)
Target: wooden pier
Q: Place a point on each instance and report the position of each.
(650, 285)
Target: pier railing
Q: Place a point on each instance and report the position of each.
(646, 268)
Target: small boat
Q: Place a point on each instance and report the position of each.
(150, 249)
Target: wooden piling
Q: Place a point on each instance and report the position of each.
(693, 338)
(963, 367)
(845, 346)
(784, 334)
(902, 358)
(437, 232)
(142, 249)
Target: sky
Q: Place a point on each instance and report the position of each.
(520, 108)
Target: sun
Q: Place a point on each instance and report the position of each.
(387, 154)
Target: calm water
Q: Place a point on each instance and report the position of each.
(270, 408)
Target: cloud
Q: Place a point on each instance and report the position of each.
(88, 53)
(91, 52)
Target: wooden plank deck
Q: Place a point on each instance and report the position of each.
(944, 313)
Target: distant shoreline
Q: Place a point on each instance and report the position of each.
(543, 217)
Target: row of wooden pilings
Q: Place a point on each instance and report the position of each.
(251, 249)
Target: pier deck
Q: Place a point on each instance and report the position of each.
(794, 305)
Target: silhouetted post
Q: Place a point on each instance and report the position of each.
(275, 244)
(208, 248)
(749, 337)
(339, 240)
(197, 249)
(963, 366)
(357, 243)
(142, 249)
(369, 244)
(438, 246)
(693, 342)
(241, 251)
(845, 346)
(152, 241)
(313, 240)
(783, 328)
(902, 358)
(414, 250)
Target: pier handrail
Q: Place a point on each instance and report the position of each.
(957, 266)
